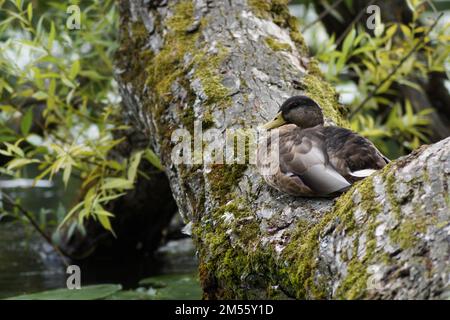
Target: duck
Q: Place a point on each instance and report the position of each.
(311, 159)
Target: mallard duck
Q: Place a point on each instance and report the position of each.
(314, 160)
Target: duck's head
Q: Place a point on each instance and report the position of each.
(299, 110)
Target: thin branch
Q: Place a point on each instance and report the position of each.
(322, 15)
(393, 72)
(36, 227)
(350, 26)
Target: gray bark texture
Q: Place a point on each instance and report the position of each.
(230, 64)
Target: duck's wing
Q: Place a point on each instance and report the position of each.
(303, 155)
(352, 154)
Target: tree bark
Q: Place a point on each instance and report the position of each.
(230, 64)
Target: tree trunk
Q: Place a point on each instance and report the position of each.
(230, 64)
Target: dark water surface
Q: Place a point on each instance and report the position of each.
(28, 264)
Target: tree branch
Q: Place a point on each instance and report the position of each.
(254, 242)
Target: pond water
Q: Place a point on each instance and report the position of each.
(28, 264)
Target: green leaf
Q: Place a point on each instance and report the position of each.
(109, 198)
(411, 4)
(406, 31)
(103, 212)
(70, 213)
(348, 42)
(364, 49)
(385, 87)
(175, 287)
(30, 11)
(26, 122)
(18, 163)
(66, 174)
(391, 31)
(7, 108)
(17, 16)
(93, 75)
(134, 163)
(18, 4)
(40, 95)
(52, 88)
(14, 149)
(410, 84)
(104, 220)
(51, 36)
(130, 295)
(151, 157)
(117, 183)
(95, 292)
(67, 82)
(409, 111)
(74, 70)
(6, 138)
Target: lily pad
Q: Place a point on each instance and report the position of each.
(174, 287)
(130, 295)
(94, 292)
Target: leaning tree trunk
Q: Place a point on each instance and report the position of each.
(230, 64)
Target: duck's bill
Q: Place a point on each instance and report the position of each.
(275, 123)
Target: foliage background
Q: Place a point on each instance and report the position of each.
(360, 66)
(59, 105)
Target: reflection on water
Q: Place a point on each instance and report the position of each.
(26, 263)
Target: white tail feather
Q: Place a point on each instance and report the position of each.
(362, 173)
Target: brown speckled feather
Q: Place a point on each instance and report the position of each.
(350, 152)
(278, 179)
(317, 161)
(304, 168)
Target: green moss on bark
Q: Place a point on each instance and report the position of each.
(406, 233)
(208, 120)
(276, 45)
(278, 12)
(300, 270)
(303, 249)
(297, 266)
(225, 178)
(226, 250)
(181, 53)
(206, 70)
(134, 68)
(354, 285)
(167, 65)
